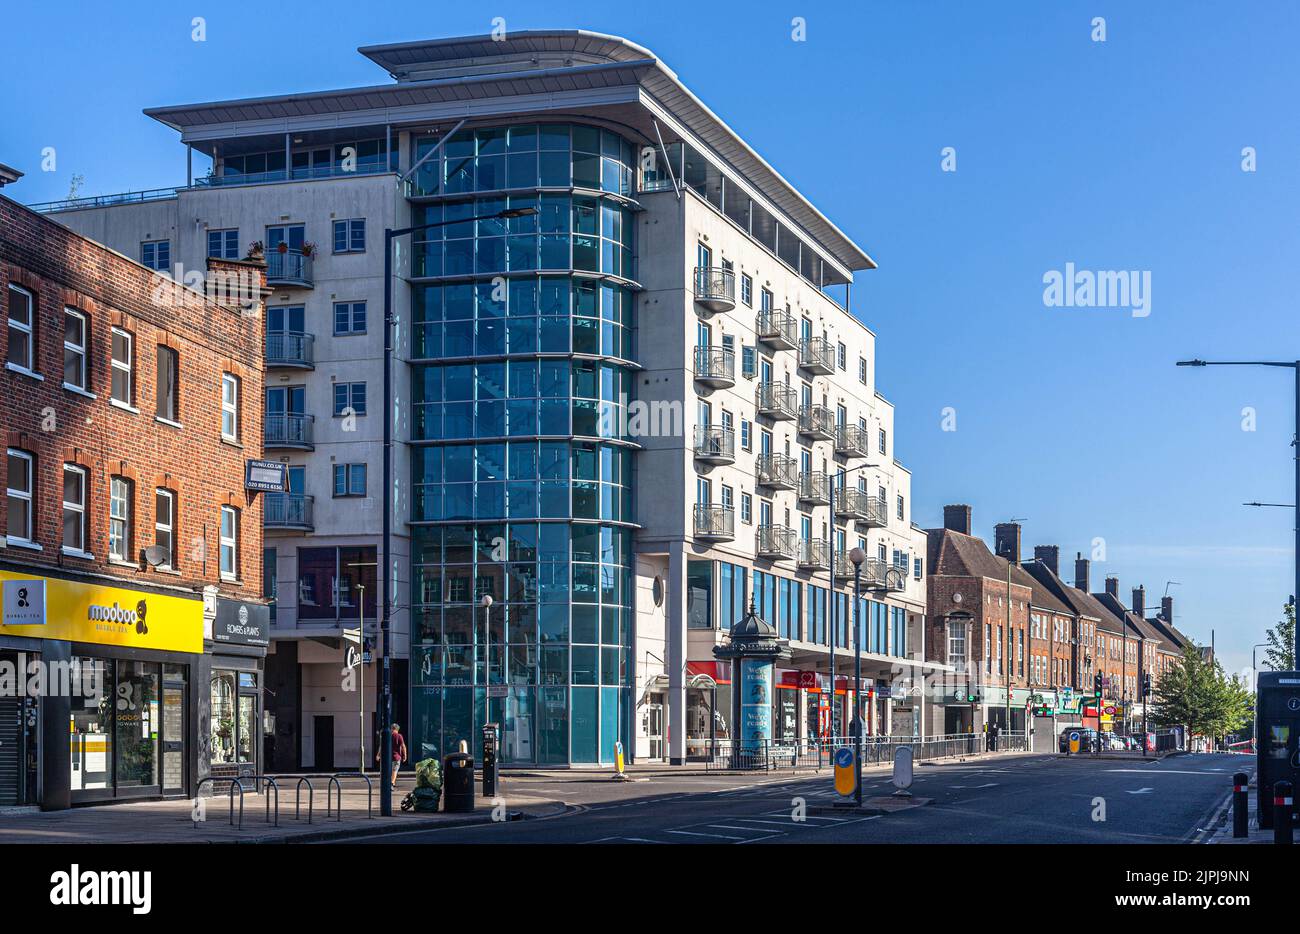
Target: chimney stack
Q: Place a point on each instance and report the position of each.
(1112, 587)
(1006, 541)
(957, 518)
(1081, 565)
(239, 284)
(1140, 601)
(1050, 555)
(1167, 609)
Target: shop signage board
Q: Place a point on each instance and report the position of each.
(240, 623)
(102, 615)
(24, 603)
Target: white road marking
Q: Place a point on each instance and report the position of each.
(1142, 791)
(691, 833)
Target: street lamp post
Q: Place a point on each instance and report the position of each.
(390, 235)
(834, 608)
(1295, 454)
(857, 556)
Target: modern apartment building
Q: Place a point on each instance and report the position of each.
(133, 630)
(622, 409)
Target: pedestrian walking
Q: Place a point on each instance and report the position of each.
(399, 752)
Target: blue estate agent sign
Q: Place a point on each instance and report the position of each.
(266, 476)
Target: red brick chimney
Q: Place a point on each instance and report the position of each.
(957, 518)
(1050, 555)
(1140, 601)
(1006, 541)
(1081, 567)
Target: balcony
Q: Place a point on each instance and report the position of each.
(881, 575)
(861, 505)
(290, 350)
(852, 441)
(816, 355)
(777, 471)
(844, 567)
(290, 511)
(715, 523)
(776, 328)
(715, 288)
(778, 542)
(292, 432)
(815, 554)
(777, 401)
(817, 422)
(289, 269)
(715, 445)
(715, 366)
(815, 488)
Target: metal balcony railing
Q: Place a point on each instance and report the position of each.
(777, 328)
(716, 522)
(715, 366)
(715, 287)
(714, 444)
(814, 553)
(288, 431)
(860, 505)
(289, 268)
(290, 349)
(852, 441)
(287, 511)
(778, 541)
(816, 421)
(777, 401)
(814, 487)
(777, 471)
(843, 566)
(817, 355)
(883, 575)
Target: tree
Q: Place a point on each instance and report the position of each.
(1196, 694)
(1280, 654)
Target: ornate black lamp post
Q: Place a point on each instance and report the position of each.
(752, 647)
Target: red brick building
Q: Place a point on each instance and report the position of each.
(132, 550)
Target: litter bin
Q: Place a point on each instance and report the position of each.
(458, 783)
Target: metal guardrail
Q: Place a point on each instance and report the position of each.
(290, 348)
(715, 521)
(287, 511)
(715, 285)
(291, 429)
(778, 755)
(288, 268)
(334, 783)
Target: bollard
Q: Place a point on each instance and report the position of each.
(1240, 796)
(1282, 813)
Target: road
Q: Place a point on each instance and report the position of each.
(1008, 799)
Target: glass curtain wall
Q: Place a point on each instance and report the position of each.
(521, 470)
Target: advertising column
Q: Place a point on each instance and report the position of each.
(755, 702)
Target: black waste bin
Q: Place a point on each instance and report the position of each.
(458, 783)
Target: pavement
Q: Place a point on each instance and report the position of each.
(1222, 821)
(173, 821)
(1000, 798)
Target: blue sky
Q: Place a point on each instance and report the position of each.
(1122, 155)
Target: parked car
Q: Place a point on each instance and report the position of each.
(1087, 738)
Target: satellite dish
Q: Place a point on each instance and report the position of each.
(157, 555)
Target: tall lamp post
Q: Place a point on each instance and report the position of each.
(857, 556)
(835, 606)
(1295, 453)
(390, 235)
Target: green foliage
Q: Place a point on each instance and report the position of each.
(1197, 694)
(1280, 654)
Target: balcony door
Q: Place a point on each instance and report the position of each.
(286, 400)
(286, 319)
(703, 492)
(765, 371)
(764, 513)
(703, 335)
(293, 235)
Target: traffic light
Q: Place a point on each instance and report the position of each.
(1097, 684)
(1146, 685)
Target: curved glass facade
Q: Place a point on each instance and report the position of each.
(520, 350)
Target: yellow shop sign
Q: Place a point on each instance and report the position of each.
(50, 608)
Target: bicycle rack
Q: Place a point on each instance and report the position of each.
(334, 783)
(297, 798)
(267, 780)
(234, 783)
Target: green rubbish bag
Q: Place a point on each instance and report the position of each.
(428, 774)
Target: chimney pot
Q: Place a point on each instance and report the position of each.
(956, 518)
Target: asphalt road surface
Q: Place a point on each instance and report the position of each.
(1009, 799)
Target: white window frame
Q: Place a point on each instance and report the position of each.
(230, 406)
(957, 634)
(126, 367)
(78, 350)
(27, 328)
(25, 496)
(121, 550)
(79, 509)
(228, 544)
(168, 528)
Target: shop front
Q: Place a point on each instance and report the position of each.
(236, 727)
(708, 707)
(111, 692)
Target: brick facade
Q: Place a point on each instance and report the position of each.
(58, 425)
